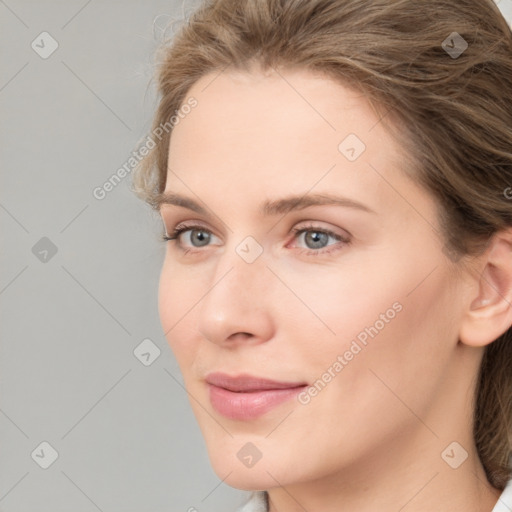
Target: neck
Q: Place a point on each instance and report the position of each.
(397, 482)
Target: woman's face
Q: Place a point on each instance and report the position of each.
(361, 304)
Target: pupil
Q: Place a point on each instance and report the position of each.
(317, 236)
(201, 237)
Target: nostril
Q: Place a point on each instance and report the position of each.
(244, 334)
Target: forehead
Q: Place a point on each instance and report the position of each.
(288, 131)
(243, 102)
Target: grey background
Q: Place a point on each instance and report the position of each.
(124, 433)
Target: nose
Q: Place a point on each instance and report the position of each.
(237, 304)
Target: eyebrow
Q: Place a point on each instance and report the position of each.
(269, 207)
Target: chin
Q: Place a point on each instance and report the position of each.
(236, 469)
(246, 479)
(264, 475)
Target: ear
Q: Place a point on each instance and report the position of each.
(489, 313)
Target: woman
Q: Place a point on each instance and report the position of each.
(334, 180)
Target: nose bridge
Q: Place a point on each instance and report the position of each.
(240, 275)
(242, 264)
(237, 300)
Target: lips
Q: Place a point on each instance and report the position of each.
(246, 397)
(248, 383)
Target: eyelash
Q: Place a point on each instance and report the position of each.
(297, 231)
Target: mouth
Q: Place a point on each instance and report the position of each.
(247, 397)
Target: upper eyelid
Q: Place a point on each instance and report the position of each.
(185, 226)
(191, 224)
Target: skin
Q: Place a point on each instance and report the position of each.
(372, 439)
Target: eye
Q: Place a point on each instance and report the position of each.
(315, 238)
(203, 235)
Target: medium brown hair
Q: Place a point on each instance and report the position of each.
(452, 115)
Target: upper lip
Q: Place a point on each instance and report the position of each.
(246, 382)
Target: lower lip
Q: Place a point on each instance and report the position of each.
(247, 406)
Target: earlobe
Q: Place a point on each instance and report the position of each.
(489, 314)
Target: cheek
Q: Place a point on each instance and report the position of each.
(393, 318)
(394, 294)
(403, 360)
(352, 302)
